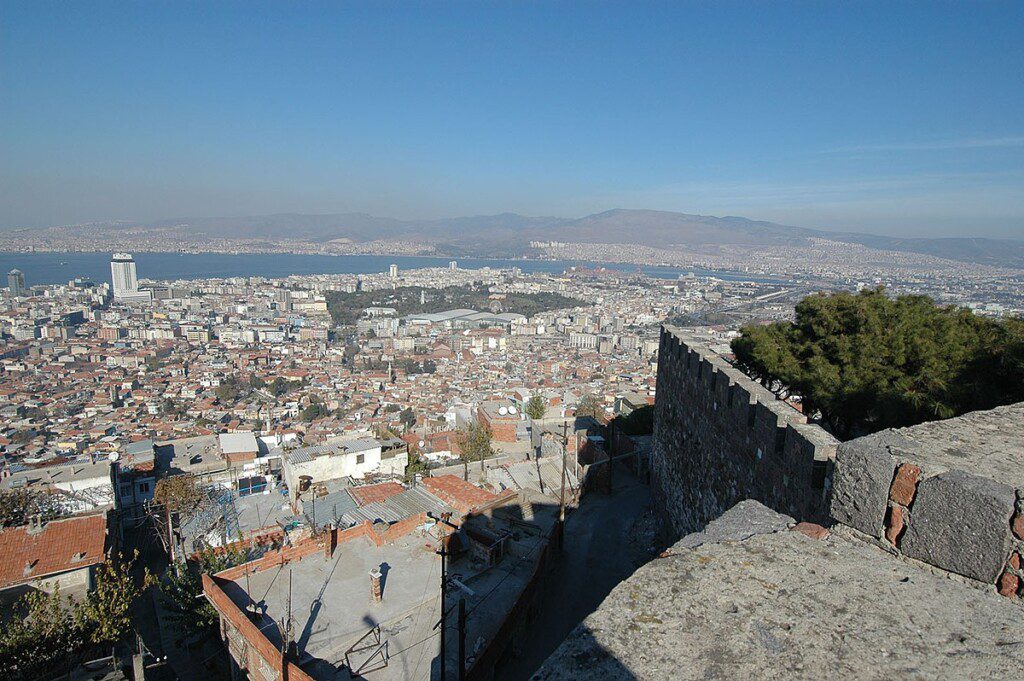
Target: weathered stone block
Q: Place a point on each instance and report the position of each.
(961, 523)
(860, 489)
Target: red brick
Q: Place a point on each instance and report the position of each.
(904, 485)
(1015, 560)
(1008, 584)
(811, 530)
(894, 525)
(1018, 526)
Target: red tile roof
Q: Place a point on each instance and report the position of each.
(458, 493)
(53, 549)
(371, 493)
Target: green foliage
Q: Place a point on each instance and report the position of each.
(279, 386)
(638, 422)
(866, 362)
(407, 418)
(535, 407)
(314, 411)
(179, 493)
(106, 611)
(346, 308)
(475, 442)
(38, 636)
(181, 591)
(230, 389)
(589, 406)
(18, 505)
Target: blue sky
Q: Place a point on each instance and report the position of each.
(898, 118)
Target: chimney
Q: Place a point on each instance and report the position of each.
(375, 590)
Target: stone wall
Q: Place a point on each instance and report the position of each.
(720, 437)
(947, 493)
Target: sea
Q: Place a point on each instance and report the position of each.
(59, 268)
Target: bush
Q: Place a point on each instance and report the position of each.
(865, 362)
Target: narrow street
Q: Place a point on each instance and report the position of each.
(601, 549)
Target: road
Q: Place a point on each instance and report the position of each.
(600, 551)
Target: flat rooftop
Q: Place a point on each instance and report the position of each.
(748, 598)
(331, 604)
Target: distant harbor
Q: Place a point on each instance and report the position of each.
(59, 268)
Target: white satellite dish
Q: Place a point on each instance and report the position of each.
(511, 410)
(503, 411)
(422, 443)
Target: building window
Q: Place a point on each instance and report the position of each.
(143, 487)
(360, 458)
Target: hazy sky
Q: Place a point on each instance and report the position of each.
(893, 118)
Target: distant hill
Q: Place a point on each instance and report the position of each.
(509, 232)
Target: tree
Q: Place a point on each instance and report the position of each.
(105, 614)
(181, 591)
(38, 636)
(589, 406)
(180, 493)
(17, 506)
(475, 442)
(865, 362)
(407, 418)
(313, 411)
(535, 407)
(638, 422)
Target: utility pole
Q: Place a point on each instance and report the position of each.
(444, 578)
(443, 552)
(561, 494)
(462, 639)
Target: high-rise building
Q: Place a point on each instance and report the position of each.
(393, 272)
(453, 265)
(16, 282)
(124, 278)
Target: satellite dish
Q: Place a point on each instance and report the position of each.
(113, 456)
(503, 411)
(422, 443)
(511, 410)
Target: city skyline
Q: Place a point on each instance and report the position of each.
(893, 120)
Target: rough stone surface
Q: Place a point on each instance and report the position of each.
(905, 484)
(1018, 526)
(740, 522)
(720, 437)
(782, 606)
(961, 523)
(985, 443)
(863, 475)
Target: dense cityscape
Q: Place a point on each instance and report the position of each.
(461, 341)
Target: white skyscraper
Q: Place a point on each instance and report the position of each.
(394, 272)
(124, 278)
(16, 282)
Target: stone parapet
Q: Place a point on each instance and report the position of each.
(948, 493)
(720, 437)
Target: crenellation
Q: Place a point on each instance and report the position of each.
(721, 437)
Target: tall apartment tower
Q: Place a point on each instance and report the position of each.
(124, 279)
(393, 272)
(16, 282)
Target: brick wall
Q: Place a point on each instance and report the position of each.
(249, 648)
(720, 437)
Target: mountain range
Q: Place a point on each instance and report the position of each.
(511, 233)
